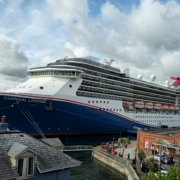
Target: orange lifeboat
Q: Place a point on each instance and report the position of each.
(125, 105)
(138, 104)
(157, 106)
(164, 106)
(128, 105)
(171, 107)
(148, 105)
(176, 108)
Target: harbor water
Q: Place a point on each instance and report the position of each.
(91, 169)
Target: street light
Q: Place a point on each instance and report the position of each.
(159, 154)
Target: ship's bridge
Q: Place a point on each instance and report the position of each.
(56, 72)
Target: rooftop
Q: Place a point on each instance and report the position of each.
(49, 158)
(163, 131)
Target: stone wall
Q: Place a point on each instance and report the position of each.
(115, 162)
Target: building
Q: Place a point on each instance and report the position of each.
(167, 140)
(23, 157)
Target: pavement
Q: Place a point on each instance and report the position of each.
(131, 150)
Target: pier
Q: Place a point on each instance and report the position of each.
(120, 164)
(78, 148)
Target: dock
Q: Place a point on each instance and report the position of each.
(78, 148)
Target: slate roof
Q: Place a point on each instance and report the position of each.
(49, 158)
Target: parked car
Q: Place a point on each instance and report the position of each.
(163, 170)
(157, 156)
(166, 160)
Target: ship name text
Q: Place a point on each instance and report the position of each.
(24, 99)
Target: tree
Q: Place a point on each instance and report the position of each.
(124, 142)
(152, 164)
(172, 174)
(141, 154)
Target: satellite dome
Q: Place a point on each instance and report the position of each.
(167, 82)
(153, 77)
(140, 77)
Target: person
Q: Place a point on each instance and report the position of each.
(129, 156)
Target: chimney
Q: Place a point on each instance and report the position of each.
(3, 119)
(3, 124)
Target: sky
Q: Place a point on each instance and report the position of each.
(143, 36)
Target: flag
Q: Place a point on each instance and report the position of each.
(175, 143)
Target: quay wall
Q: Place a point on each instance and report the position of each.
(120, 164)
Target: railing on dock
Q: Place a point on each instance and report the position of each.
(78, 148)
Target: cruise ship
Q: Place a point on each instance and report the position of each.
(85, 96)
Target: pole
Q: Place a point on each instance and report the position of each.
(160, 158)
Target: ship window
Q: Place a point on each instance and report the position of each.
(114, 109)
(88, 101)
(117, 109)
(41, 87)
(96, 101)
(100, 101)
(108, 102)
(104, 101)
(92, 101)
(70, 86)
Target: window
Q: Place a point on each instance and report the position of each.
(88, 101)
(41, 87)
(70, 86)
(26, 166)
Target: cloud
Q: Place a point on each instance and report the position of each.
(69, 11)
(14, 62)
(145, 40)
(76, 51)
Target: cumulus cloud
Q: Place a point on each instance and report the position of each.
(14, 62)
(69, 11)
(76, 51)
(146, 39)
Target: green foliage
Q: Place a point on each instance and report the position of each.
(141, 154)
(152, 164)
(173, 174)
(124, 141)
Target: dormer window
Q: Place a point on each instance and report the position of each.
(24, 159)
(26, 166)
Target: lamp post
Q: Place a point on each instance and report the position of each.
(160, 149)
(160, 158)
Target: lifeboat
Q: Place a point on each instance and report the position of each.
(164, 106)
(171, 107)
(176, 108)
(138, 104)
(125, 105)
(148, 105)
(128, 105)
(157, 106)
